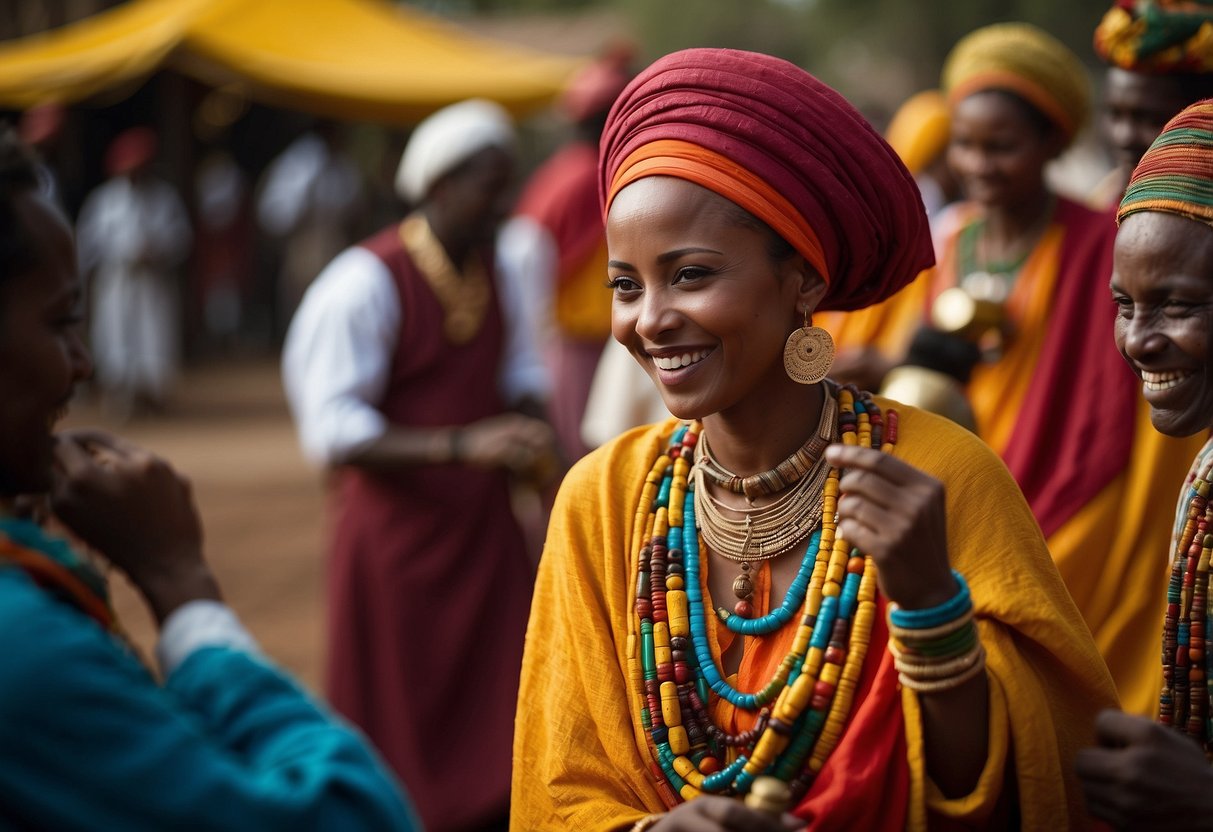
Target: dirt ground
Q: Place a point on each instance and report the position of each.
(262, 506)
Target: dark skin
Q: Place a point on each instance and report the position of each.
(691, 281)
(123, 502)
(105, 488)
(464, 208)
(1140, 774)
(998, 151)
(1144, 775)
(1136, 108)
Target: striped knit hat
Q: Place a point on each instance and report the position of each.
(1022, 59)
(1176, 174)
(1158, 36)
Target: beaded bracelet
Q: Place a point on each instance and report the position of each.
(646, 822)
(938, 670)
(953, 608)
(923, 634)
(940, 685)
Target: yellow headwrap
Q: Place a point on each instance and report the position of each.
(919, 129)
(1020, 58)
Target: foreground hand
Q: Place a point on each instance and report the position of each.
(722, 814)
(895, 513)
(519, 443)
(135, 510)
(1144, 775)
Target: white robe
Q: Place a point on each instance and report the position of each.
(131, 238)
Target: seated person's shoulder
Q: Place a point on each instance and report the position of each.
(45, 643)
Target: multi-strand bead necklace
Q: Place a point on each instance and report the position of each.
(800, 712)
(1187, 695)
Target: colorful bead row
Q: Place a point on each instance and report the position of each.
(1186, 701)
(802, 709)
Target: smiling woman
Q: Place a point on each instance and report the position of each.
(1147, 775)
(1040, 263)
(771, 586)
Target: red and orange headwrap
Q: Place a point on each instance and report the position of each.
(773, 139)
(1175, 175)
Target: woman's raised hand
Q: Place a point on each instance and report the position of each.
(135, 510)
(722, 814)
(895, 513)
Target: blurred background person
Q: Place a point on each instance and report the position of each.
(1160, 60)
(400, 368)
(555, 247)
(91, 740)
(919, 133)
(40, 128)
(223, 263)
(133, 234)
(1015, 314)
(310, 201)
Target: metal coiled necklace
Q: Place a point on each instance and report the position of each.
(767, 531)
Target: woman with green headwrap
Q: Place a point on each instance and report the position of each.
(1153, 774)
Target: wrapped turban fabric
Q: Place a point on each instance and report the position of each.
(1021, 59)
(447, 139)
(1164, 37)
(1175, 175)
(773, 139)
(919, 129)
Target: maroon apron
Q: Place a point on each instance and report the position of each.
(429, 581)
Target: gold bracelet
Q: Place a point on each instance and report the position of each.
(646, 822)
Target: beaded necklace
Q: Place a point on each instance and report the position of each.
(1186, 702)
(802, 709)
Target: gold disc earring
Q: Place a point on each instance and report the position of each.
(808, 353)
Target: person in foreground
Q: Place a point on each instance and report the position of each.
(797, 582)
(1147, 774)
(90, 740)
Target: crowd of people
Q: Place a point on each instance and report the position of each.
(897, 548)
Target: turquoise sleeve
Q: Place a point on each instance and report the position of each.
(91, 741)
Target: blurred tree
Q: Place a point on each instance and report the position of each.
(875, 51)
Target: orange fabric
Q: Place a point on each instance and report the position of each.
(582, 309)
(868, 751)
(47, 572)
(1039, 97)
(673, 157)
(581, 754)
(1112, 553)
(996, 391)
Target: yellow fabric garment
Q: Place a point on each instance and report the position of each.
(352, 59)
(1113, 553)
(918, 130)
(582, 309)
(580, 754)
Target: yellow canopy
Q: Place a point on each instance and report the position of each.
(354, 59)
